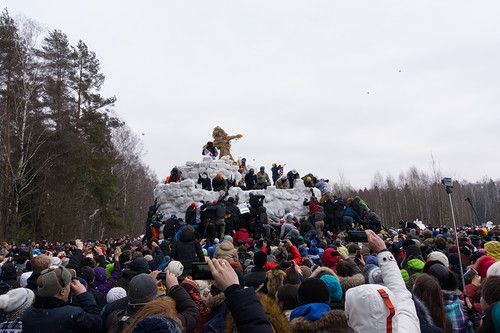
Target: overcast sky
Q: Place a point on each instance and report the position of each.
(337, 88)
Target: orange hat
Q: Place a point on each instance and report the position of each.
(218, 177)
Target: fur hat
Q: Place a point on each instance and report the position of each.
(16, 301)
(260, 259)
(333, 286)
(115, 293)
(493, 249)
(482, 265)
(142, 289)
(367, 296)
(438, 256)
(48, 283)
(313, 290)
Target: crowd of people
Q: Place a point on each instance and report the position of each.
(269, 274)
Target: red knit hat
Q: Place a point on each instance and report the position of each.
(482, 265)
(330, 257)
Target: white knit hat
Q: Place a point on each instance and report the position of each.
(16, 301)
(115, 293)
(493, 269)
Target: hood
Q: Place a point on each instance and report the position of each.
(187, 235)
(262, 209)
(348, 282)
(329, 321)
(366, 309)
(320, 271)
(226, 246)
(100, 275)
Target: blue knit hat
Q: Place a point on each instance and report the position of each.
(302, 251)
(313, 250)
(372, 260)
(334, 287)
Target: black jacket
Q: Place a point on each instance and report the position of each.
(187, 250)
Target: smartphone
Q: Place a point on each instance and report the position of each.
(161, 276)
(201, 271)
(357, 236)
(358, 254)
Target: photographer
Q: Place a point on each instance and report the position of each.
(392, 302)
(55, 287)
(245, 307)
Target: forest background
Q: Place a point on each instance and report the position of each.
(72, 168)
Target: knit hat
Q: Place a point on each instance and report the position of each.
(494, 269)
(16, 301)
(313, 290)
(55, 261)
(493, 249)
(438, 256)
(441, 273)
(453, 259)
(482, 265)
(313, 250)
(158, 324)
(333, 286)
(87, 273)
(302, 251)
(228, 238)
(367, 296)
(372, 260)
(142, 289)
(427, 233)
(148, 257)
(329, 257)
(139, 265)
(260, 259)
(175, 267)
(48, 283)
(115, 293)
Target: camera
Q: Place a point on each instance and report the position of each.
(161, 276)
(469, 275)
(357, 236)
(447, 182)
(72, 243)
(201, 271)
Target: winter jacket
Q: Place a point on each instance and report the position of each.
(50, 314)
(264, 175)
(459, 320)
(247, 311)
(187, 250)
(102, 284)
(349, 211)
(255, 277)
(157, 259)
(226, 251)
(317, 317)
(282, 183)
(406, 314)
(186, 308)
(250, 180)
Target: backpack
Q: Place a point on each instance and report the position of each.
(119, 321)
(218, 322)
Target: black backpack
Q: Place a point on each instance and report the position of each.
(119, 321)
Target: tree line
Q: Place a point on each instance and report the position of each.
(70, 167)
(417, 195)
